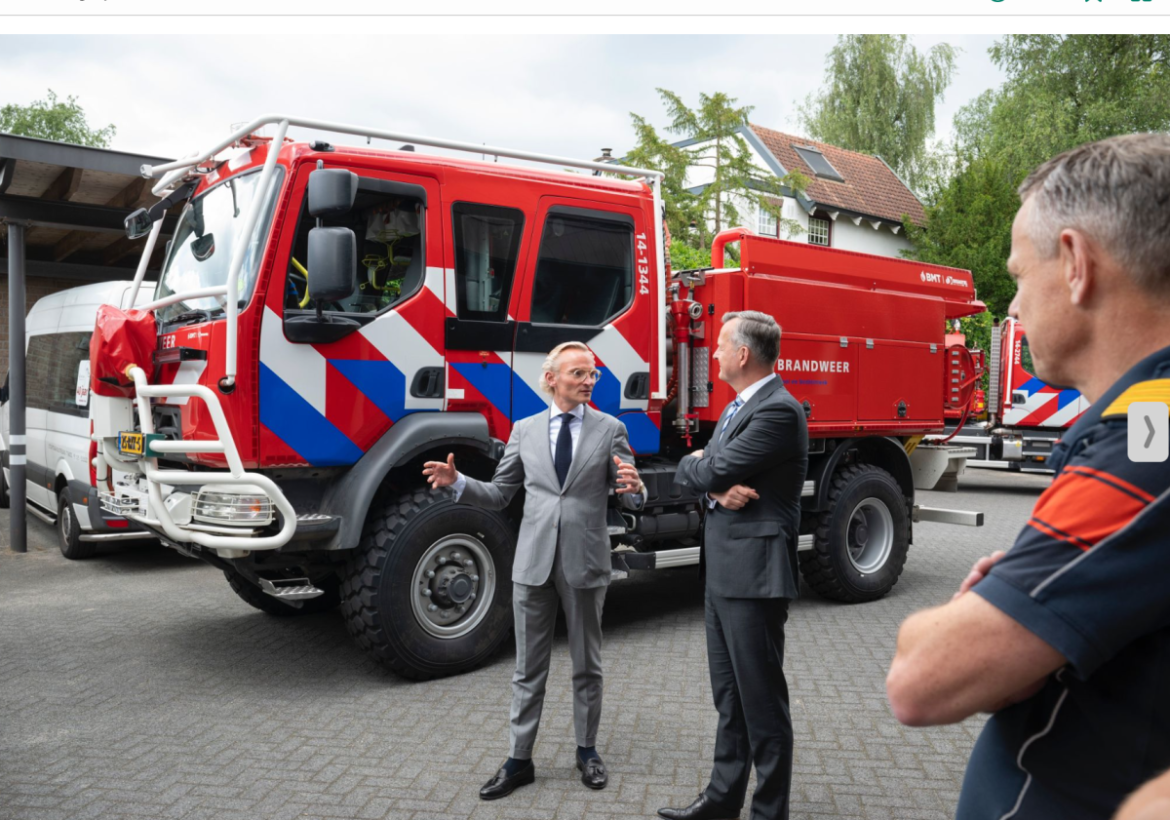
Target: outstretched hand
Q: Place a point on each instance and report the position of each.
(627, 476)
(737, 497)
(441, 474)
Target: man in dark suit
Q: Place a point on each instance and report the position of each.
(752, 471)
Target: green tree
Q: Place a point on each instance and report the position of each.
(1060, 92)
(683, 209)
(52, 119)
(714, 144)
(879, 97)
(968, 225)
(686, 257)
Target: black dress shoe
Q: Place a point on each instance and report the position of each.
(501, 785)
(593, 773)
(701, 809)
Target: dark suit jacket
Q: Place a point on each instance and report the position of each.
(751, 552)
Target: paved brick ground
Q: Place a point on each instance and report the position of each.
(136, 685)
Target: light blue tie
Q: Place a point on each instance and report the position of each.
(735, 405)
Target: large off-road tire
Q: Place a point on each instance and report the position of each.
(69, 531)
(861, 540)
(419, 551)
(253, 595)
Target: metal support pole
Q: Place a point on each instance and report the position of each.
(18, 488)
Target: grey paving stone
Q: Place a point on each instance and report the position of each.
(137, 684)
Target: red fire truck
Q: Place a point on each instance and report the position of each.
(327, 319)
(1024, 415)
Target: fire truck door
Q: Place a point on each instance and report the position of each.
(584, 283)
(487, 242)
(325, 398)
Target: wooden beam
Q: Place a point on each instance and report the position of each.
(61, 189)
(129, 197)
(120, 248)
(132, 195)
(64, 186)
(68, 244)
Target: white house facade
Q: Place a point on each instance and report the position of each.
(853, 201)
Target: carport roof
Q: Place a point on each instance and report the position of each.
(74, 199)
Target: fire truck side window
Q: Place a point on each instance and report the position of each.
(487, 242)
(585, 270)
(389, 226)
(1026, 357)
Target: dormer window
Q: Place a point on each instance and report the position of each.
(817, 162)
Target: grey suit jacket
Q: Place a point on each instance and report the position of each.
(751, 552)
(578, 509)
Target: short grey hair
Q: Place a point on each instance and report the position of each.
(553, 359)
(759, 333)
(1116, 192)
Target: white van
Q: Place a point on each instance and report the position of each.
(61, 483)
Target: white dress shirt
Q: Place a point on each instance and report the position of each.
(743, 397)
(554, 430)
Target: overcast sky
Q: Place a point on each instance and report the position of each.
(555, 94)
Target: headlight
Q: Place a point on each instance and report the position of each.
(248, 508)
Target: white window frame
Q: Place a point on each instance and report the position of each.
(820, 232)
(764, 220)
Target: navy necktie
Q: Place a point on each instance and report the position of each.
(564, 457)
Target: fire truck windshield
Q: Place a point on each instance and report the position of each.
(200, 255)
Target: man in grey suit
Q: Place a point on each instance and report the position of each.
(749, 544)
(566, 459)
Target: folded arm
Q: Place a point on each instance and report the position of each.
(965, 657)
(770, 436)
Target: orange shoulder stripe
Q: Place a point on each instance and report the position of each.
(1084, 506)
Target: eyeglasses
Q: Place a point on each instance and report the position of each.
(581, 374)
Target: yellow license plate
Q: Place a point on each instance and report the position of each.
(131, 444)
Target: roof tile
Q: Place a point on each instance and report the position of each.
(870, 187)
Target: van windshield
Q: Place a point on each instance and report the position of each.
(200, 255)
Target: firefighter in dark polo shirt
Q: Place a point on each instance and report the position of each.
(1065, 639)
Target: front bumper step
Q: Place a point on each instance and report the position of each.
(291, 589)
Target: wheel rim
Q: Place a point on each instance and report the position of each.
(66, 523)
(453, 586)
(870, 535)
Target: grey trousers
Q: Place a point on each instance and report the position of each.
(535, 608)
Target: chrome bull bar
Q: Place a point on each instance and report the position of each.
(158, 516)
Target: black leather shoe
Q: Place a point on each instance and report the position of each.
(501, 785)
(593, 773)
(701, 809)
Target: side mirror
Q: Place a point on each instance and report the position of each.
(203, 247)
(138, 224)
(331, 192)
(332, 263)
